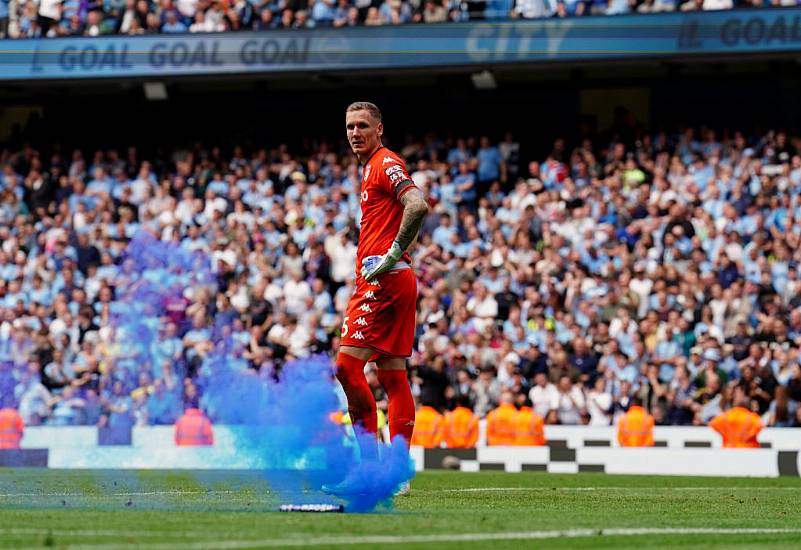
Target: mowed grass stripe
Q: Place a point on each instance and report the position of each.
(445, 538)
(492, 507)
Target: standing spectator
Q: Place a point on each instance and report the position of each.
(491, 166)
(570, 405)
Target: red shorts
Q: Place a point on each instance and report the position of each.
(382, 314)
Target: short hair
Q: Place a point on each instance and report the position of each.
(371, 108)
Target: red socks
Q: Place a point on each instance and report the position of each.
(361, 403)
(401, 403)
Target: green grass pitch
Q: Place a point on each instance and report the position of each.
(109, 510)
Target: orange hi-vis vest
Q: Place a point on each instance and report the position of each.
(11, 428)
(529, 428)
(501, 425)
(636, 428)
(193, 428)
(428, 427)
(461, 428)
(739, 428)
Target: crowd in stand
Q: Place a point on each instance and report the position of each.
(48, 18)
(657, 266)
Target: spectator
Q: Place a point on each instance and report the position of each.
(570, 404)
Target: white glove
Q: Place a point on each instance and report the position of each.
(372, 266)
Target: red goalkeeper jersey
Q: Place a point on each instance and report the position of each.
(382, 210)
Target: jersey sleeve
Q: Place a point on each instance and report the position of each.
(394, 178)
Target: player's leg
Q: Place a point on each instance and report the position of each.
(362, 409)
(392, 375)
(399, 342)
(361, 403)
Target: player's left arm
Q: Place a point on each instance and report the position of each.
(415, 209)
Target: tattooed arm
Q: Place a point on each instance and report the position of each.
(415, 209)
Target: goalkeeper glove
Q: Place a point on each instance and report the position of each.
(372, 266)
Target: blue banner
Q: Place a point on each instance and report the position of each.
(453, 44)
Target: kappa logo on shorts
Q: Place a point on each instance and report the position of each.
(369, 294)
(358, 335)
(366, 308)
(360, 321)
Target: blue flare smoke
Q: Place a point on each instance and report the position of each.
(284, 416)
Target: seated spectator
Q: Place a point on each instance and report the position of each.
(162, 405)
(782, 410)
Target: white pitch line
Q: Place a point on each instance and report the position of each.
(587, 489)
(101, 533)
(112, 495)
(421, 539)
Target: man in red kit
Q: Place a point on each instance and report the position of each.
(379, 323)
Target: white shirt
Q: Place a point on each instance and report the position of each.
(50, 8)
(569, 406)
(295, 294)
(343, 258)
(543, 399)
(598, 403)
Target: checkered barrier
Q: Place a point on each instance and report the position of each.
(571, 449)
(557, 457)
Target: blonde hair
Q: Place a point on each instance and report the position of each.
(371, 108)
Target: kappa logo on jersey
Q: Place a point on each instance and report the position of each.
(394, 170)
(374, 282)
(366, 308)
(360, 321)
(387, 160)
(367, 172)
(370, 295)
(358, 335)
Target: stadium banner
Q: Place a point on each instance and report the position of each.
(410, 46)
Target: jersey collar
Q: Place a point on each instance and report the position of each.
(371, 156)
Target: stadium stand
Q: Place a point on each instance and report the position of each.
(49, 18)
(662, 267)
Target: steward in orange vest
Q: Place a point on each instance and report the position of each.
(739, 427)
(529, 428)
(501, 428)
(461, 427)
(636, 427)
(193, 428)
(428, 427)
(11, 428)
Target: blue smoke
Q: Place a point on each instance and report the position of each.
(284, 413)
